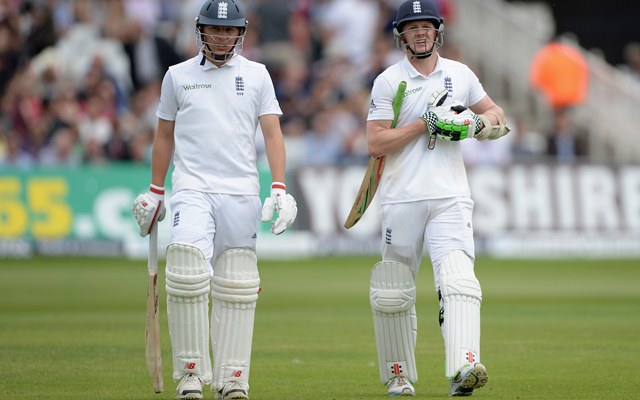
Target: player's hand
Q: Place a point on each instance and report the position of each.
(282, 204)
(437, 100)
(149, 208)
(456, 122)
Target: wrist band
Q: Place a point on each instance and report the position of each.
(278, 185)
(156, 189)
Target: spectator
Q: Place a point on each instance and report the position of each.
(9, 51)
(349, 28)
(61, 150)
(13, 154)
(93, 125)
(632, 59)
(322, 145)
(526, 145)
(566, 142)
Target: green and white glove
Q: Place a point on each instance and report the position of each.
(456, 122)
(437, 100)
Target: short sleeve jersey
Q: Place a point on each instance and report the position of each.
(414, 172)
(216, 113)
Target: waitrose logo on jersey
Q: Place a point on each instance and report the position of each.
(195, 86)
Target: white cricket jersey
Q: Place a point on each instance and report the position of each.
(415, 172)
(216, 114)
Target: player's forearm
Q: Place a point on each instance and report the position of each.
(274, 146)
(160, 160)
(385, 140)
(161, 155)
(276, 157)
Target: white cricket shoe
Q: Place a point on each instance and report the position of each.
(232, 390)
(400, 386)
(467, 378)
(190, 387)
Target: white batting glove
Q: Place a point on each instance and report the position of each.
(149, 208)
(283, 204)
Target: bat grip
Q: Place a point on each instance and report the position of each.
(152, 264)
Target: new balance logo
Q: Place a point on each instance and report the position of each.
(387, 236)
(190, 365)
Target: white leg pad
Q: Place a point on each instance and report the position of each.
(235, 288)
(393, 296)
(461, 298)
(188, 284)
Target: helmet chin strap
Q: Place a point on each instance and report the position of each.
(220, 57)
(420, 56)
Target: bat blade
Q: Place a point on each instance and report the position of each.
(366, 192)
(373, 174)
(152, 329)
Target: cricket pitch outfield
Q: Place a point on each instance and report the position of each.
(551, 329)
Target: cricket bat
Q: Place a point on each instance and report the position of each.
(152, 331)
(373, 174)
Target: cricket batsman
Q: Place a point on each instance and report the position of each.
(209, 111)
(425, 201)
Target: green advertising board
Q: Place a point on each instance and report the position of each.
(88, 203)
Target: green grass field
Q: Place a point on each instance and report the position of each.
(74, 329)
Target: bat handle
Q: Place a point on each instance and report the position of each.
(153, 248)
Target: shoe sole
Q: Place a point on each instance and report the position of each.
(476, 378)
(234, 394)
(405, 392)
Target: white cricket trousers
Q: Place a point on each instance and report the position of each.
(440, 226)
(214, 222)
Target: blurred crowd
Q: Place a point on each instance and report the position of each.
(80, 79)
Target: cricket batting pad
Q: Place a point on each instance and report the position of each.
(188, 284)
(393, 297)
(461, 298)
(234, 295)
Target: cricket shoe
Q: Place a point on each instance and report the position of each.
(400, 386)
(190, 387)
(468, 378)
(232, 390)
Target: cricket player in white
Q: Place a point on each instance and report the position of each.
(425, 201)
(209, 111)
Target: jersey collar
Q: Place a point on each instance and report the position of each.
(413, 72)
(207, 65)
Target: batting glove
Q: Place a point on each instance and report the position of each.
(149, 208)
(437, 100)
(283, 204)
(456, 122)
